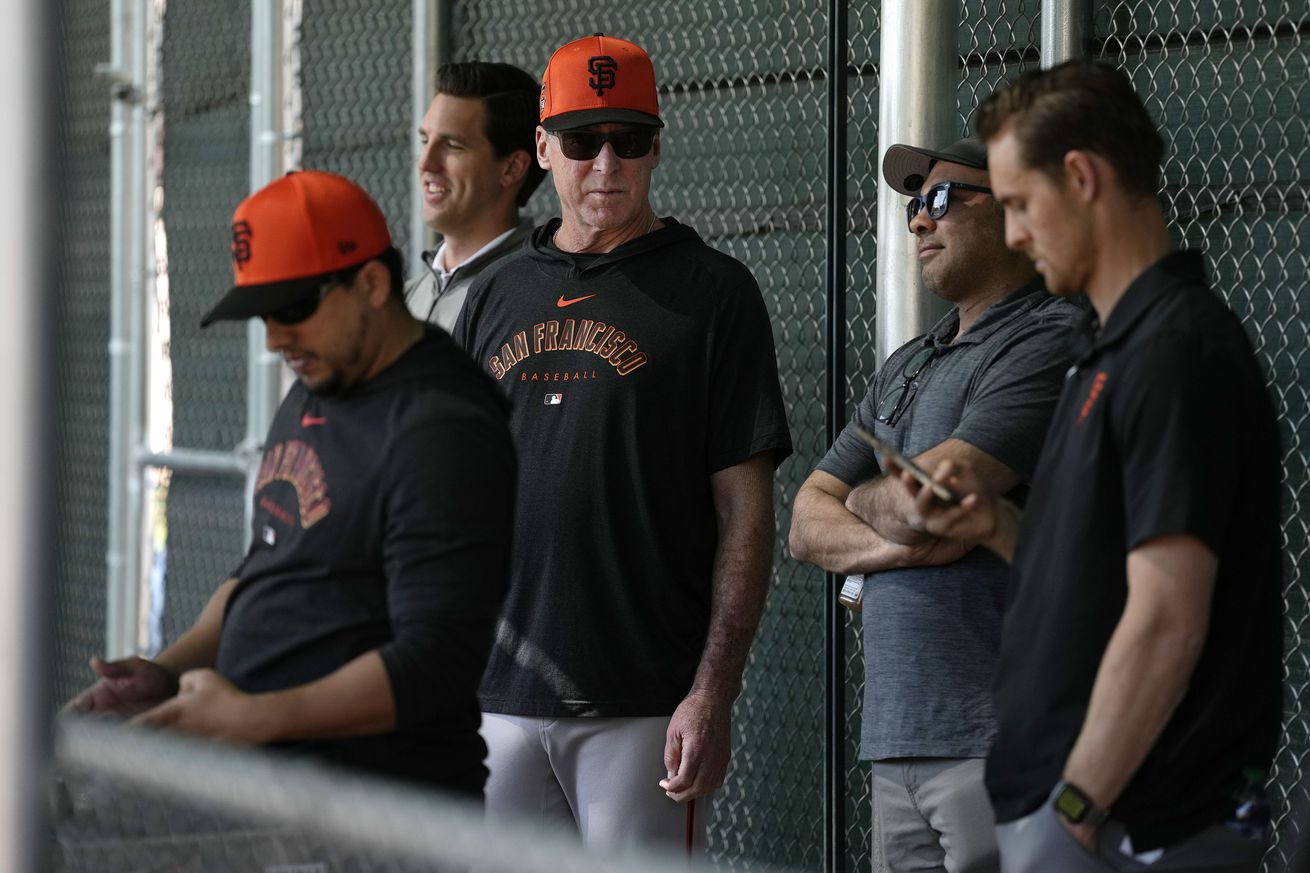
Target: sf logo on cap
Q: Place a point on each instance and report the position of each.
(602, 69)
(241, 234)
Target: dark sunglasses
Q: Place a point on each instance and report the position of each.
(301, 310)
(895, 403)
(583, 145)
(938, 199)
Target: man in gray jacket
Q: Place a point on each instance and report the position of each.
(477, 169)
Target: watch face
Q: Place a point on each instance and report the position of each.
(1070, 805)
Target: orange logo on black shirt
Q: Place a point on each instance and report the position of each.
(1098, 384)
(561, 302)
(584, 335)
(296, 463)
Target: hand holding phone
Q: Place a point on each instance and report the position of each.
(940, 491)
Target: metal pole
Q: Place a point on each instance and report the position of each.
(120, 445)
(194, 461)
(127, 240)
(267, 139)
(420, 93)
(140, 288)
(834, 615)
(431, 47)
(26, 519)
(919, 71)
(1066, 30)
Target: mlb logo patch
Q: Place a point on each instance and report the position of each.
(554, 399)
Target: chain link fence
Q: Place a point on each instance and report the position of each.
(1227, 82)
(743, 90)
(81, 315)
(355, 84)
(204, 87)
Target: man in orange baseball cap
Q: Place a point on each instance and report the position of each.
(647, 412)
(381, 524)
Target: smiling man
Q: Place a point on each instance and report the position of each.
(358, 625)
(649, 420)
(979, 386)
(477, 169)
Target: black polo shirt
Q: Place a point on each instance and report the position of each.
(1164, 427)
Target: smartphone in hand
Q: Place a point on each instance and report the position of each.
(852, 593)
(940, 491)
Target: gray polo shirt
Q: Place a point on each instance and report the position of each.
(931, 634)
(438, 297)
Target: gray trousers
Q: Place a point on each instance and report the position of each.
(597, 777)
(1040, 842)
(932, 814)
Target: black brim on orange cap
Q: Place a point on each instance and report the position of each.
(254, 301)
(603, 115)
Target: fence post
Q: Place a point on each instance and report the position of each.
(918, 77)
(1066, 30)
(834, 615)
(432, 46)
(27, 178)
(128, 238)
(267, 162)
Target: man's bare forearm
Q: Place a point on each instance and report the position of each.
(1146, 667)
(354, 700)
(743, 498)
(197, 647)
(881, 504)
(827, 534)
(890, 509)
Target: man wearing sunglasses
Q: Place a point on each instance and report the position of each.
(357, 627)
(478, 169)
(649, 420)
(979, 386)
(1138, 688)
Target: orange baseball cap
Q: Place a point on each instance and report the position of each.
(291, 235)
(599, 79)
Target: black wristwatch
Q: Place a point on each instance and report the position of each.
(1073, 803)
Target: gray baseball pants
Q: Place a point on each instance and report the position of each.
(932, 814)
(596, 776)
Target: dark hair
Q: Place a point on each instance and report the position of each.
(392, 259)
(509, 103)
(1078, 105)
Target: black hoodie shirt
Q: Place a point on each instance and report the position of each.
(634, 376)
(382, 522)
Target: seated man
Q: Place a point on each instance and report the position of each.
(359, 623)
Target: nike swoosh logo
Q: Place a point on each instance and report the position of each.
(308, 420)
(561, 302)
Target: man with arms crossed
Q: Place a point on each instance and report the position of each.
(477, 169)
(359, 623)
(1138, 699)
(978, 387)
(649, 419)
